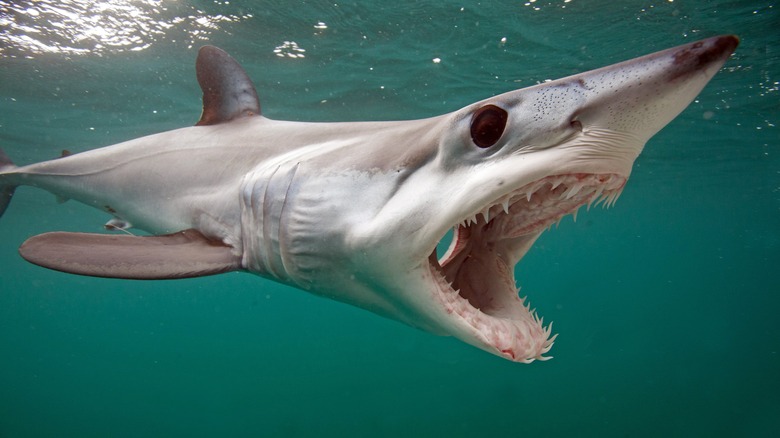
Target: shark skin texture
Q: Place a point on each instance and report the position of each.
(354, 211)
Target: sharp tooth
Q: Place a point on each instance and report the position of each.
(617, 195)
(556, 183)
(575, 214)
(595, 196)
(486, 215)
(601, 199)
(505, 205)
(528, 196)
(574, 190)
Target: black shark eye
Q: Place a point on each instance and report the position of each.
(487, 125)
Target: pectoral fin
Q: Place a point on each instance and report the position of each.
(184, 254)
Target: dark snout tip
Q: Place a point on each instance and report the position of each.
(704, 53)
(720, 48)
(726, 43)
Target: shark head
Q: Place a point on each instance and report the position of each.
(495, 175)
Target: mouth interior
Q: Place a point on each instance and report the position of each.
(477, 272)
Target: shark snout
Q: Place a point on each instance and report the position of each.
(640, 96)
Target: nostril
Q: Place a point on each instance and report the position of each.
(577, 125)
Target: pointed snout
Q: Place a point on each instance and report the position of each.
(642, 95)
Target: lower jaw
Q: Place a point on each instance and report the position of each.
(512, 330)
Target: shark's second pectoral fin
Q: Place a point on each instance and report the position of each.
(180, 255)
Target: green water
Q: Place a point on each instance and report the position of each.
(666, 304)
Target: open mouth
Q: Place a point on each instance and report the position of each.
(476, 275)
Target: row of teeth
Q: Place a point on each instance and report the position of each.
(547, 330)
(606, 201)
(455, 297)
(474, 316)
(550, 338)
(485, 214)
(596, 197)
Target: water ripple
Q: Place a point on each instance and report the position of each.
(77, 27)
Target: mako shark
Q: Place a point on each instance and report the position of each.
(355, 211)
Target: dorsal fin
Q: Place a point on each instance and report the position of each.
(228, 93)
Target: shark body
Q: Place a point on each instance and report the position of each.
(355, 211)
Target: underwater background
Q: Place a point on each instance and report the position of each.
(666, 305)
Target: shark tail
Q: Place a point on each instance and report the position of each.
(6, 188)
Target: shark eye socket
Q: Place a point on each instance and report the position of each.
(487, 125)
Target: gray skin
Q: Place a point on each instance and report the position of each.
(354, 211)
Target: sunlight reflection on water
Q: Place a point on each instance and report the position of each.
(75, 27)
